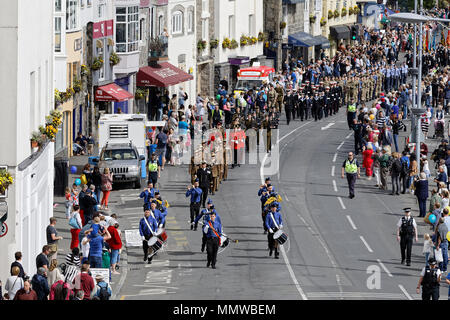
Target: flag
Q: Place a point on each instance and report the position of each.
(442, 38)
(448, 38)
(433, 44)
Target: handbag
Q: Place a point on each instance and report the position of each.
(438, 255)
(74, 223)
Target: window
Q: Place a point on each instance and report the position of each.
(82, 3)
(58, 5)
(101, 10)
(101, 54)
(141, 29)
(69, 75)
(89, 3)
(160, 25)
(231, 27)
(251, 25)
(190, 26)
(205, 29)
(72, 13)
(127, 29)
(177, 22)
(205, 5)
(58, 34)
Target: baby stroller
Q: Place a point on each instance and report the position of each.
(438, 129)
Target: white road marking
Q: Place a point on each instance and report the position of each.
(335, 186)
(342, 203)
(335, 156)
(351, 223)
(384, 268)
(285, 195)
(291, 272)
(379, 295)
(342, 143)
(349, 135)
(332, 170)
(327, 126)
(366, 244)
(405, 292)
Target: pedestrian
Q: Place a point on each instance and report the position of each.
(441, 176)
(76, 224)
(52, 238)
(26, 293)
(351, 169)
(60, 290)
(435, 198)
(18, 263)
(102, 290)
(368, 161)
(115, 244)
(53, 274)
(154, 169)
(90, 204)
(85, 247)
(73, 258)
(68, 202)
(14, 283)
(421, 192)
(413, 169)
(427, 247)
(107, 180)
(147, 229)
(204, 176)
(42, 259)
(442, 243)
(430, 277)
(97, 182)
(406, 231)
(84, 282)
(385, 162)
(96, 242)
(40, 284)
(404, 175)
(161, 146)
(396, 169)
(213, 232)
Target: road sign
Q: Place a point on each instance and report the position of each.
(3, 229)
(104, 272)
(133, 238)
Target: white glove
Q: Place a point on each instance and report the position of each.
(281, 226)
(206, 228)
(160, 226)
(143, 238)
(270, 230)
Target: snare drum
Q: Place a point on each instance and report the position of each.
(155, 244)
(163, 235)
(159, 231)
(280, 237)
(224, 241)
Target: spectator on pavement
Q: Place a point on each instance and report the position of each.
(26, 293)
(107, 180)
(421, 193)
(40, 284)
(14, 283)
(53, 238)
(89, 203)
(102, 290)
(115, 244)
(75, 228)
(53, 273)
(18, 263)
(84, 282)
(73, 258)
(97, 182)
(96, 248)
(42, 259)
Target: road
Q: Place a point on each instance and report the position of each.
(338, 248)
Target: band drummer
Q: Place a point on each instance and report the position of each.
(205, 213)
(213, 230)
(147, 227)
(274, 223)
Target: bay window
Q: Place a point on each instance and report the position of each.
(127, 29)
(72, 14)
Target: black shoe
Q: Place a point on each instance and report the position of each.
(265, 231)
(397, 193)
(195, 228)
(213, 266)
(145, 257)
(192, 226)
(203, 248)
(270, 253)
(392, 193)
(277, 257)
(149, 261)
(403, 262)
(117, 267)
(208, 264)
(408, 264)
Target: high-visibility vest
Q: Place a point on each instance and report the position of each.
(351, 108)
(351, 167)
(153, 166)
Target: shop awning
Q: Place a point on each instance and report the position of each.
(163, 74)
(340, 32)
(321, 41)
(112, 92)
(301, 39)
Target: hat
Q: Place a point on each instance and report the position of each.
(432, 261)
(407, 209)
(209, 201)
(273, 204)
(88, 191)
(444, 140)
(267, 179)
(196, 180)
(99, 277)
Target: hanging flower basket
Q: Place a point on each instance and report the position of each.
(77, 85)
(58, 97)
(140, 94)
(213, 43)
(312, 18)
(282, 24)
(323, 21)
(113, 59)
(84, 70)
(343, 12)
(244, 41)
(330, 14)
(350, 11)
(5, 180)
(201, 45)
(261, 36)
(226, 43)
(97, 64)
(234, 44)
(336, 13)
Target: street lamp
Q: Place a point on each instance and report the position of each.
(415, 19)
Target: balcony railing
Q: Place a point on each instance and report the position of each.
(158, 47)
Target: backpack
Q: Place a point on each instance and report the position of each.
(430, 280)
(407, 227)
(405, 168)
(397, 166)
(103, 293)
(60, 291)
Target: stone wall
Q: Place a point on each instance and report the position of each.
(295, 18)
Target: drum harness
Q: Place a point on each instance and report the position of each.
(276, 224)
(153, 235)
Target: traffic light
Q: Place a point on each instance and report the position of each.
(354, 32)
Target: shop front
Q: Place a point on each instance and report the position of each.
(108, 98)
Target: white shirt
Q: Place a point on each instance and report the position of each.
(85, 247)
(399, 223)
(13, 284)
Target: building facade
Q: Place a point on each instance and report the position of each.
(207, 44)
(27, 97)
(235, 22)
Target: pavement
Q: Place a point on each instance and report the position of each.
(338, 248)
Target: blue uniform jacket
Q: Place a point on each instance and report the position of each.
(143, 228)
(216, 225)
(206, 216)
(147, 195)
(269, 221)
(159, 216)
(195, 193)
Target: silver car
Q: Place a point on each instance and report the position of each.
(124, 162)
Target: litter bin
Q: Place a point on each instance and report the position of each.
(61, 176)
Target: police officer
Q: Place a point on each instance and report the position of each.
(351, 169)
(351, 113)
(147, 227)
(204, 177)
(154, 170)
(213, 230)
(196, 195)
(274, 222)
(429, 280)
(406, 230)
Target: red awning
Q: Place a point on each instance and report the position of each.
(162, 75)
(112, 92)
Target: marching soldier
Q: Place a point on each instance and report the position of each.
(271, 97)
(215, 174)
(302, 107)
(280, 97)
